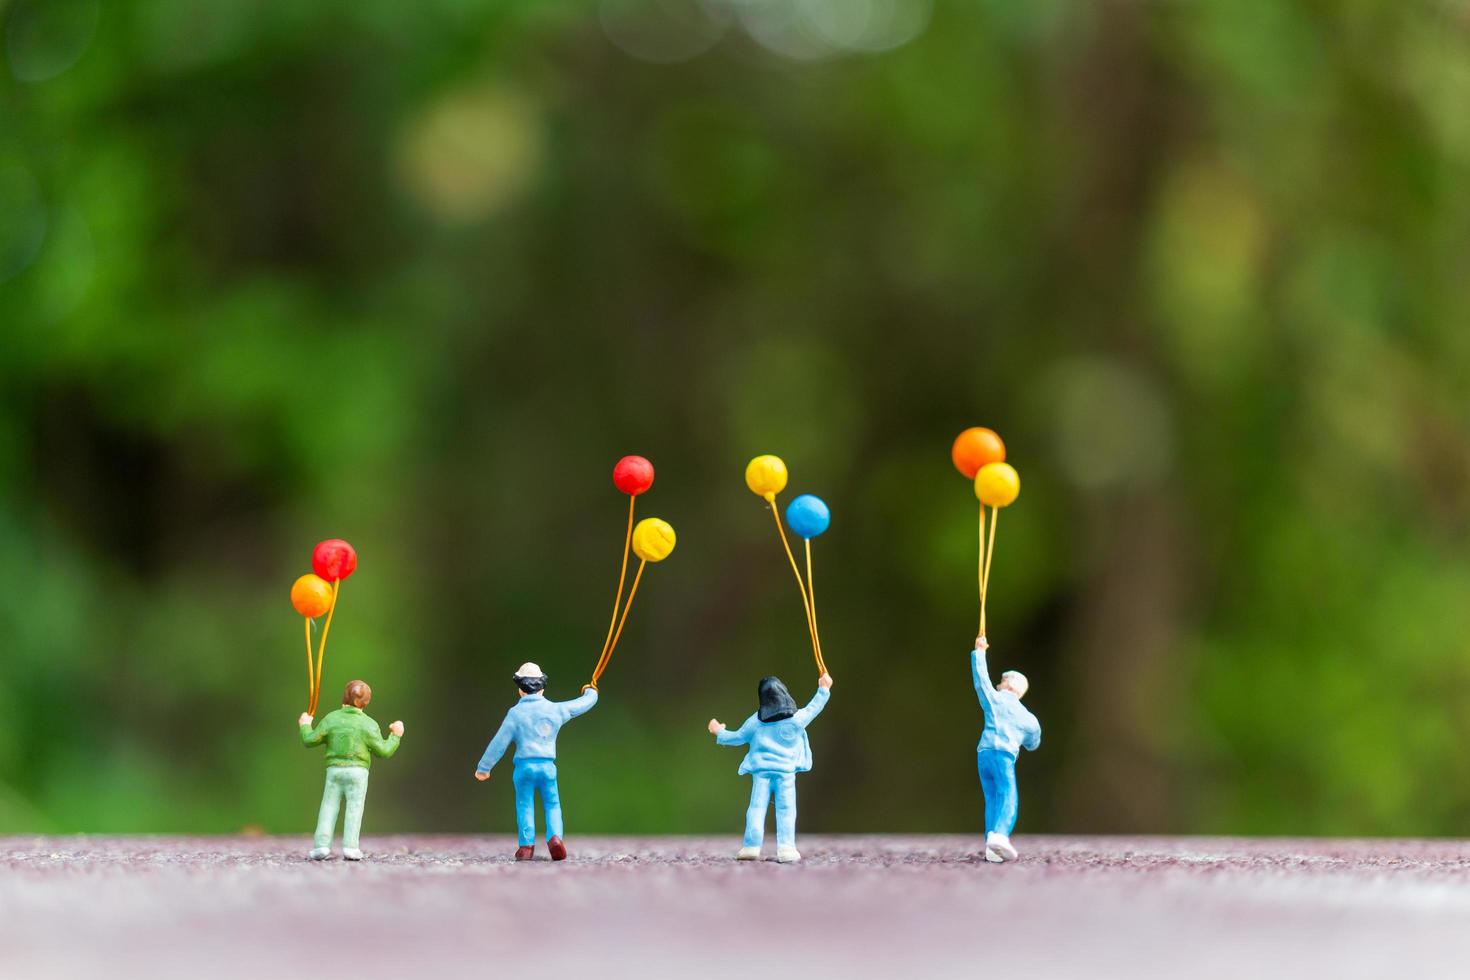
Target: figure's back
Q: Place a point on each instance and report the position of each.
(537, 722)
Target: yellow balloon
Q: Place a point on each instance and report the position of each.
(997, 484)
(653, 539)
(766, 476)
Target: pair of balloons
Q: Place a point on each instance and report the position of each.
(979, 454)
(652, 539)
(809, 517)
(807, 514)
(331, 561)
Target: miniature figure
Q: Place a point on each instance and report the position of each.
(1008, 728)
(779, 749)
(352, 740)
(532, 724)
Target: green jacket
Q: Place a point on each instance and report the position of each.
(352, 738)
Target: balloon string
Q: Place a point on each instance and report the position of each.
(321, 652)
(617, 600)
(597, 674)
(980, 567)
(805, 602)
(811, 591)
(989, 554)
(310, 676)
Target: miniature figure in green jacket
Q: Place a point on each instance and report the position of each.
(352, 739)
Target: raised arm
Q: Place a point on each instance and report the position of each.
(804, 716)
(379, 746)
(309, 737)
(577, 706)
(981, 672)
(496, 748)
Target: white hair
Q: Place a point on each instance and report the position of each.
(1017, 682)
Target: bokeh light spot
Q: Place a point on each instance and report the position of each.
(43, 38)
(471, 153)
(1112, 426)
(664, 31)
(22, 219)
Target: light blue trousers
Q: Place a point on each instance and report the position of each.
(344, 783)
(534, 776)
(998, 780)
(763, 785)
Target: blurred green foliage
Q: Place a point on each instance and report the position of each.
(417, 274)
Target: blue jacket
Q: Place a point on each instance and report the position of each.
(1009, 727)
(777, 746)
(532, 724)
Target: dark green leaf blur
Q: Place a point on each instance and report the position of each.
(417, 274)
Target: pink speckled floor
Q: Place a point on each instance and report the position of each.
(858, 907)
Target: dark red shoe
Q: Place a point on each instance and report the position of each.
(557, 848)
(525, 853)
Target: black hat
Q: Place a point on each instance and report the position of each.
(776, 701)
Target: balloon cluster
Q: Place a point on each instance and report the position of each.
(979, 455)
(315, 594)
(809, 517)
(652, 540)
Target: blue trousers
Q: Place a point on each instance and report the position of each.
(534, 776)
(998, 780)
(763, 785)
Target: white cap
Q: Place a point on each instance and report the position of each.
(529, 669)
(1017, 682)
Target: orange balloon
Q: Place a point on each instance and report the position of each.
(312, 596)
(974, 448)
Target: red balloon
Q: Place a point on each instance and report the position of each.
(633, 475)
(334, 559)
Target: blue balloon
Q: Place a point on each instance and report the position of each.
(808, 516)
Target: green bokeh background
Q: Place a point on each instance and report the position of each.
(417, 274)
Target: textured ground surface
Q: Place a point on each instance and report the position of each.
(679, 907)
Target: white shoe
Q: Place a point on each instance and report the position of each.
(320, 854)
(787, 855)
(749, 854)
(1001, 845)
(352, 854)
(993, 857)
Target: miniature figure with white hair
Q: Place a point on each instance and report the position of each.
(532, 725)
(1009, 728)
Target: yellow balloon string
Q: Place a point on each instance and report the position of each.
(980, 567)
(310, 676)
(322, 650)
(805, 602)
(617, 600)
(597, 674)
(989, 554)
(811, 592)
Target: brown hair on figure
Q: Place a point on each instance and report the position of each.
(357, 694)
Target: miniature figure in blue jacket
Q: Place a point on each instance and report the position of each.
(779, 749)
(1009, 728)
(532, 725)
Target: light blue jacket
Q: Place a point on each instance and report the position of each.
(532, 724)
(1009, 727)
(777, 746)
